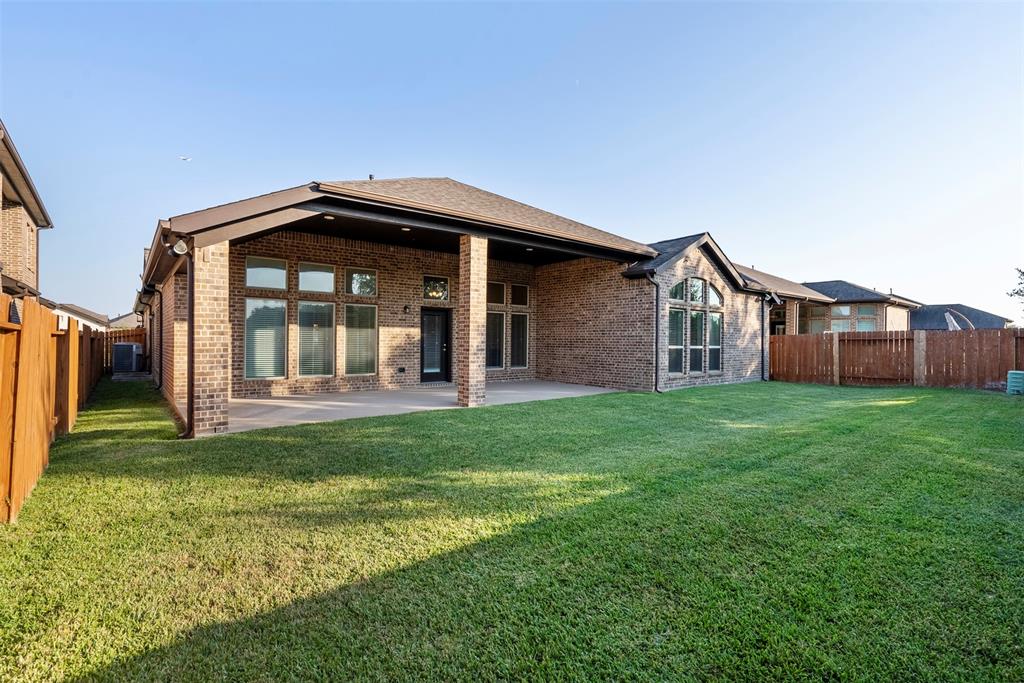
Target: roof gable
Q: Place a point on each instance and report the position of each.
(670, 251)
(781, 286)
(844, 291)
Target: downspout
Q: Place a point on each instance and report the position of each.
(657, 332)
(767, 298)
(190, 424)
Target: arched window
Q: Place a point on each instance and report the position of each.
(714, 296)
(678, 291)
(696, 291)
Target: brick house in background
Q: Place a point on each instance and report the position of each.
(856, 309)
(22, 216)
(388, 284)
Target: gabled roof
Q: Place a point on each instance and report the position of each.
(670, 251)
(126, 320)
(843, 291)
(784, 288)
(79, 312)
(938, 317)
(18, 181)
(460, 200)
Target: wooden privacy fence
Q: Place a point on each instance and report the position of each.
(974, 359)
(45, 376)
(135, 335)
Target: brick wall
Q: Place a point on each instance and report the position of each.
(212, 338)
(594, 326)
(885, 317)
(471, 320)
(18, 243)
(400, 272)
(174, 339)
(743, 351)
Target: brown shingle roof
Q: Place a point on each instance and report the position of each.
(782, 286)
(451, 197)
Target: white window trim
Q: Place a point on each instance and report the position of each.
(519, 367)
(334, 278)
(245, 329)
(282, 261)
(376, 282)
(504, 340)
(529, 295)
(721, 332)
(334, 351)
(683, 346)
(436, 277)
(504, 293)
(376, 327)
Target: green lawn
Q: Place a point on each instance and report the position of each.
(755, 531)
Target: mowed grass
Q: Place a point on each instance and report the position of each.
(761, 531)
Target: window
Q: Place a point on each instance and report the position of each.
(817, 326)
(266, 273)
(361, 282)
(495, 340)
(840, 325)
(841, 310)
(678, 291)
(696, 290)
(714, 342)
(360, 339)
(696, 341)
(496, 293)
(520, 295)
(316, 277)
(676, 332)
(264, 338)
(714, 296)
(866, 325)
(866, 309)
(316, 338)
(520, 340)
(817, 312)
(435, 288)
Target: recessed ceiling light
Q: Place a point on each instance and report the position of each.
(529, 249)
(328, 218)
(406, 229)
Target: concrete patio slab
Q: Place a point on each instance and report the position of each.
(279, 411)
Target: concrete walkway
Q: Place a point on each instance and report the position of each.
(256, 413)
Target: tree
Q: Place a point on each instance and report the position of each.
(1018, 291)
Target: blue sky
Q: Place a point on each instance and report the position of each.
(883, 144)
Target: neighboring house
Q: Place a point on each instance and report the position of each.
(797, 300)
(22, 216)
(96, 321)
(387, 284)
(126, 321)
(955, 317)
(855, 309)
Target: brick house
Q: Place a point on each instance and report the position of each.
(856, 309)
(391, 284)
(22, 216)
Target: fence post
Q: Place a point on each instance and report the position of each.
(920, 348)
(835, 358)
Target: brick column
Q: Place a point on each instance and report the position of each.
(471, 324)
(792, 317)
(212, 339)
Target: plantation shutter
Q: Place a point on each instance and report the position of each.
(520, 341)
(264, 338)
(360, 339)
(316, 338)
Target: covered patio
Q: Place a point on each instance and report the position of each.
(258, 413)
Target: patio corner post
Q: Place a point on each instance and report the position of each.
(212, 337)
(471, 324)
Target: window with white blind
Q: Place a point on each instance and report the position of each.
(360, 339)
(696, 341)
(840, 325)
(316, 338)
(266, 273)
(866, 325)
(520, 340)
(316, 277)
(265, 336)
(495, 344)
(714, 342)
(676, 334)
